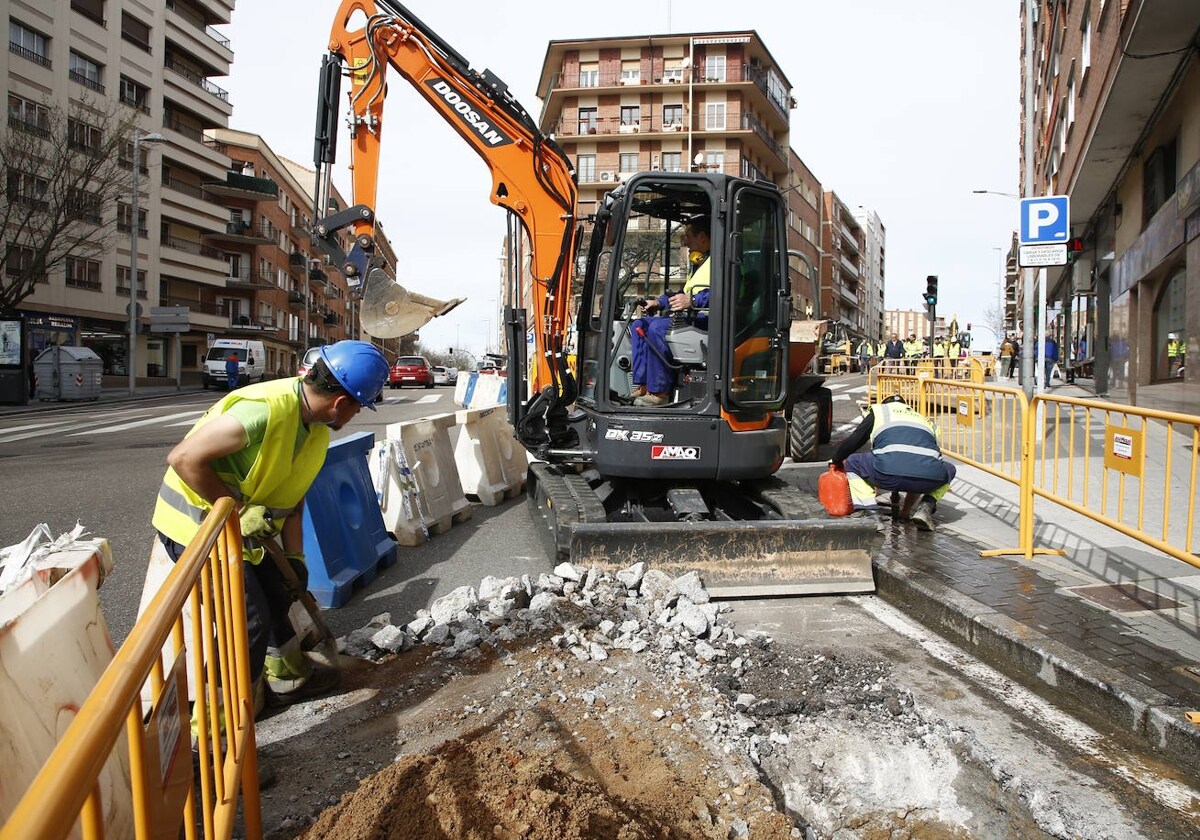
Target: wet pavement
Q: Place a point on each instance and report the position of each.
(1110, 629)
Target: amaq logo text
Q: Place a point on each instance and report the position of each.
(675, 453)
(472, 118)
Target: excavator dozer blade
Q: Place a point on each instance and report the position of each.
(738, 559)
(390, 311)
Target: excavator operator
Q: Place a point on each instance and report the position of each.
(653, 375)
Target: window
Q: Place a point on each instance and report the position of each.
(588, 119)
(1085, 44)
(672, 116)
(84, 137)
(86, 72)
(715, 161)
(125, 213)
(673, 75)
(28, 43)
(1071, 99)
(714, 116)
(631, 72)
(1159, 178)
(135, 32)
(19, 261)
(84, 205)
(27, 189)
(125, 157)
(93, 9)
(629, 161)
(135, 95)
(83, 274)
(714, 68)
(589, 75)
(631, 115)
(123, 282)
(28, 116)
(586, 168)
(672, 161)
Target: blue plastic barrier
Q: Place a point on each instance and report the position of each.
(345, 541)
(469, 393)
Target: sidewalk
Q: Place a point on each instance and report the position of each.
(1110, 631)
(108, 396)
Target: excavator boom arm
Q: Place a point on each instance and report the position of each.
(531, 176)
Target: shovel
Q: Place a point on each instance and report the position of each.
(326, 652)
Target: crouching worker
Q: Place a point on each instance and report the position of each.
(263, 445)
(904, 457)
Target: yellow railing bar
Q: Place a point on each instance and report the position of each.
(66, 788)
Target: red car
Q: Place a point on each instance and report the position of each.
(411, 370)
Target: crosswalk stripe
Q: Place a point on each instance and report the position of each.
(137, 423)
(12, 429)
(429, 398)
(59, 429)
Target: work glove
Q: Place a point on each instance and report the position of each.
(258, 523)
(300, 568)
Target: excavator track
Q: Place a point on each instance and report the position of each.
(792, 550)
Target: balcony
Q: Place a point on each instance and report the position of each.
(181, 186)
(196, 78)
(296, 258)
(849, 267)
(247, 279)
(35, 57)
(317, 275)
(190, 247)
(29, 127)
(246, 323)
(86, 81)
(246, 233)
(748, 122)
(331, 291)
(237, 185)
(330, 319)
(848, 294)
(295, 299)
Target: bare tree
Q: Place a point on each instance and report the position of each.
(64, 172)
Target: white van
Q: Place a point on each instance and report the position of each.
(252, 362)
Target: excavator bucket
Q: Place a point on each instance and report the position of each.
(738, 559)
(390, 311)
(790, 552)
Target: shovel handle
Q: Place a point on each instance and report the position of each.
(304, 596)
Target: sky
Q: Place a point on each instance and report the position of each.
(903, 108)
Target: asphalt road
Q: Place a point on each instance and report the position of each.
(100, 464)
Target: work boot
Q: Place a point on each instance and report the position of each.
(291, 676)
(652, 399)
(639, 391)
(923, 515)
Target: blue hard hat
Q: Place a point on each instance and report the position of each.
(359, 367)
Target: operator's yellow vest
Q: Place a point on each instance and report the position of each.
(700, 280)
(278, 479)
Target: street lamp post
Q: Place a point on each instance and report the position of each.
(130, 360)
(1000, 289)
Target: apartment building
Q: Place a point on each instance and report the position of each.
(804, 235)
(843, 244)
(874, 259)
(278, 288)
(1116, 126)
(906, 322)
(713, 101)
(158, 60)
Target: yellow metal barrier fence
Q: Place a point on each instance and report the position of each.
(205, 587)
(1132, 469)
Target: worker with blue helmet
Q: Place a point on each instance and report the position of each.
(263, 445)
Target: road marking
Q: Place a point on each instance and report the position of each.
(1075, 733)
(59, 429)
(429, 398)
(137, 423)
(31, 426)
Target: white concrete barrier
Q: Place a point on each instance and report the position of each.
(481, 390)
(491, 463)
(434, 491)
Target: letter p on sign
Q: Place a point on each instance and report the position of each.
(1045, 220)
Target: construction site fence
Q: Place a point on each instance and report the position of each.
(170, 742)
(1134, 470)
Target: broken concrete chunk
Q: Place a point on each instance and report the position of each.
(549, 583)
(691, 587)
(598, 653)
(381, 620)
(631, 577)
(445, 609)
(693, 619)
(569, 571)
(544, 601)
(466, 639)
(656, 586)
(419, 624)
(438, 634)
(389, 638)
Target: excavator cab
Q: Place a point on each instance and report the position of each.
(728, 363)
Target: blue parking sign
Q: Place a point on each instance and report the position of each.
(1045, 220)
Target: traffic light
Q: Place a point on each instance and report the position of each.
(1074, 248)
(931, 283)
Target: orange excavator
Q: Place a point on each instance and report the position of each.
(689, 483)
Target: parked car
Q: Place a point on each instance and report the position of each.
(452, 375)
(411, 370)
(440, 375)
(310, 359)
